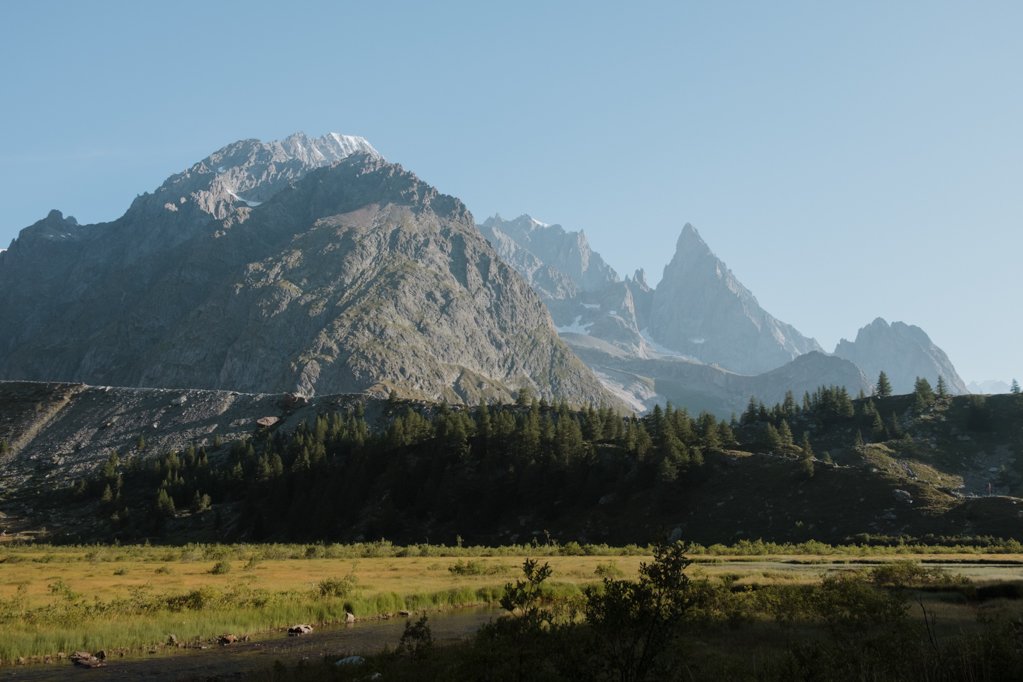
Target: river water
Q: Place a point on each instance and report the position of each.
(333, 642)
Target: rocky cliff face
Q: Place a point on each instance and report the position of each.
(700, 309)
(583, 293)
(536, 247)
(352, 276)
(904, 352)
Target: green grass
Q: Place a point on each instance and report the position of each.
(59, 599)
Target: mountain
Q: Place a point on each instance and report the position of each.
(643, 382)
(582, 292)
(989, 386)
(308, 265)
(700, 309)
(604, 320)
(904, 352)
(540, 251)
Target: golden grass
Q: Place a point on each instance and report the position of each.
(59, 599)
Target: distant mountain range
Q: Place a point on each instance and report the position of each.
(316, 266)
(990, 386)
(700, 338)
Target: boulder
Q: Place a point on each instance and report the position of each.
(83, 659)
(349, 617)
(224, 640)
(299, 630)
(903, 496)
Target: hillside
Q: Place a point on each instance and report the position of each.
(344, 468)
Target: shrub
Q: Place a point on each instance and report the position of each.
(911, 574)
(221, 568)
(474, 567)
(336, 587)
(417, 640)
(609, 570)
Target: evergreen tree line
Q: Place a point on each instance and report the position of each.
(335, 478)
(477, 469)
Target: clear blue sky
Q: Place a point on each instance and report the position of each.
(848, 160)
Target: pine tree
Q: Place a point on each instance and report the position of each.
(942, 388)
(788, 406)
(164, 504)
(877, 428)
(805, 445)
(484, 427)
(923, 396)
(711, 434)
(750, 415)
(883, 389)
(726, 435)
(524, 397)
(785, 433)
(894, 428)
(1014, 389)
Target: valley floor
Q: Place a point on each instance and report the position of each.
(129, 601)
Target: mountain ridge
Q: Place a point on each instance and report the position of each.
(355, 276)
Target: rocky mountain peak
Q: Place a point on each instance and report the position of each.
(244, 174)
(904, 352)
(54, 227)
(639, 278)
(689, 240)
(266, 268)
(532, 245)
(702, 310)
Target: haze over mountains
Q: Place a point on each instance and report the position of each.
(699, 338)
(314, 265)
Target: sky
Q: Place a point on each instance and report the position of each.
(846, 160)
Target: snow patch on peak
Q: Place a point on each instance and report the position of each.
(576, 327)
(250, 204)
(323, 150)
(538, 223)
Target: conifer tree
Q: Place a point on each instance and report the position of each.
(1014, 388)
(805, 445)
(483, 414)
(785, 433)
(883, 389)
(788, 405)
(711, 434)
(923, 396)
(750, 415)
(726, 435)
(806, 458)
(894, 428)
(941, 390)
(877, 428)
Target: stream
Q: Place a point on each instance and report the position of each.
(260, 653)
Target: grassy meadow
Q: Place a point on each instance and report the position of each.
(131, 599)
